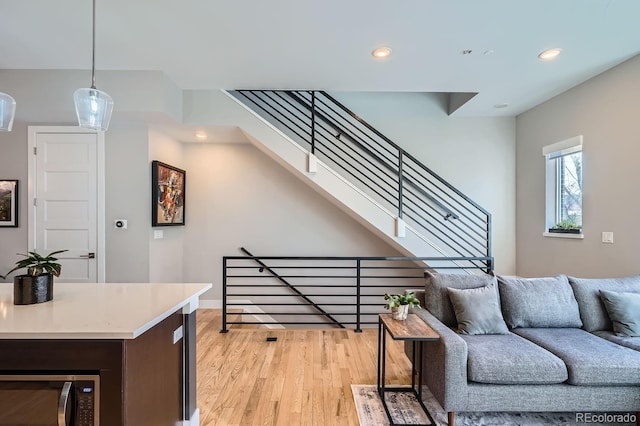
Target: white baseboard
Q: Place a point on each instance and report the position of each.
(248, 308)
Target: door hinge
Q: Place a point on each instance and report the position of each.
(35, 150)
(35, 202)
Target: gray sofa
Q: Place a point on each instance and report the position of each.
(558, 352)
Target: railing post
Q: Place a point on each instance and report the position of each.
(490, 266)
(224, 295)
(313, 121)
(400, 183)
(358, 275)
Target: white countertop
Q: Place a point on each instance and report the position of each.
(96, 311)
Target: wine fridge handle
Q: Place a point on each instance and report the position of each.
(62, 404)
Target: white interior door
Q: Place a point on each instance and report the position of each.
(66, 192)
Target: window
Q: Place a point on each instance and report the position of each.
(564, 188)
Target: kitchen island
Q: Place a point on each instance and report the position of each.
(139, 338)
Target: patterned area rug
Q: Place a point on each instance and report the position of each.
(405, 409)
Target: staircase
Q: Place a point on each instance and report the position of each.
(366, 174)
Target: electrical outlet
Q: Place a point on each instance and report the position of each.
(607, 237)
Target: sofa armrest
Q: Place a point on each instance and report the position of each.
(444, 364)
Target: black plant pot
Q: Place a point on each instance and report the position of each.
(565, 231)
(28, 289)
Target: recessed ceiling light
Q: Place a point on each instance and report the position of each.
(381, 52)
(549, 54)
(503, 105)
(201, 136)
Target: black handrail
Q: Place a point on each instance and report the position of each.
(380, 167)
(347, 289)
(295, 290)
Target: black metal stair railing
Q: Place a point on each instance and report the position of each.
(453, 222)
(320, 291)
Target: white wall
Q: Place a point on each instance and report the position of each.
(476, 155)
(127, 197)
(604, 110)
(293, 218)
(166, 254)
(46, 98)
(239, 197)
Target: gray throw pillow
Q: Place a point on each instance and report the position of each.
(624, 311)
(538, 302)
(587, 291)
(437, 299)
(477, 310)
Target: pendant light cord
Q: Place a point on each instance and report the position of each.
(93, 48)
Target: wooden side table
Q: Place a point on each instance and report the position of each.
(412, 329)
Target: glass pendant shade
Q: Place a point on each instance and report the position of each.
(93, 108)
(7, 112)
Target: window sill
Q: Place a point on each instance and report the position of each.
(559, 235)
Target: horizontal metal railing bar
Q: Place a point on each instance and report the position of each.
(323, 276)
(356, 154)
(438, 233)
(365, 163)
(406, 154)
(438, 185)
(269, 108)
(298, 304)
(343, 314)
(363, 258)
(317, 285)
(296, 295)
(291, 287)
(451, 226)
(374, 144)
(361, 144)
(448, 213)
(354, 175)
(394, 268)
(337, 126)
(355, 172)
(300, 322)
(349, 116)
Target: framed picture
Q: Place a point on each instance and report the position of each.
(168, 195)
(8, 203)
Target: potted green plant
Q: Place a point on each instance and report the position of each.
(399, 304)
(36, 286)
(566, 226)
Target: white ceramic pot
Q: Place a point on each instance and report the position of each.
(400, 312)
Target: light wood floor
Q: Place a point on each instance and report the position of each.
(304, 378)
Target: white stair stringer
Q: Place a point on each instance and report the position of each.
(227, 110)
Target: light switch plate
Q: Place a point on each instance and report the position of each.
(607, 237)
(158, 234)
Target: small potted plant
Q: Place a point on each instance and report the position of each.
(400, 303)
(566, 226)
(36, 286)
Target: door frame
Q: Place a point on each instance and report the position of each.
(33, 132)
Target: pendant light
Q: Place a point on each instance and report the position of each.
(7, 112)
(93, 106)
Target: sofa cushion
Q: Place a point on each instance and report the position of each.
(590, 360)
(630, 342)
(538, 302)
(587, 291)
(437, 299)
(511, 359)
(624, 312)
(477, 310)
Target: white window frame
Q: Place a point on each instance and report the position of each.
(551, 153)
